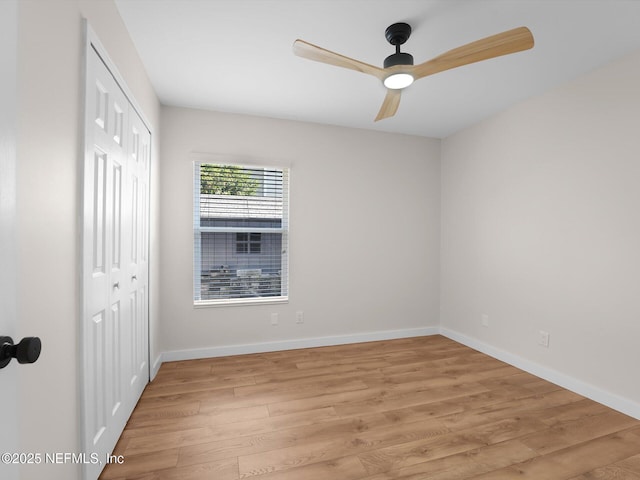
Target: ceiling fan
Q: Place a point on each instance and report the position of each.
(399, 71)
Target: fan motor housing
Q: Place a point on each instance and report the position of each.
(399, 58)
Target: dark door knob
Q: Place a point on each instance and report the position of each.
(27, 351)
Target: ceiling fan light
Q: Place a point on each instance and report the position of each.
(398, 81)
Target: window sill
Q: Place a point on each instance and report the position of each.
(239, 302)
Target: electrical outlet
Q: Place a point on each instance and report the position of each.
(274, 319)
(485, 320)
(300, 316)
(543, 338)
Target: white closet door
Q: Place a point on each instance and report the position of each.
(115, 280)
(138, 153)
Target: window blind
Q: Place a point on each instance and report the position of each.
(240, 233)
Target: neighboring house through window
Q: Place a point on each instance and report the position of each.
(240, 234)
(248, 242)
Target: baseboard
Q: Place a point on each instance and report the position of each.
(262, 347)
(155, 367)
(592, 392)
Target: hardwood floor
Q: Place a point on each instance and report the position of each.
(417, 408)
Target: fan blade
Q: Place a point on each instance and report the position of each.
(319, 54)
(389, 105)
(504, 43)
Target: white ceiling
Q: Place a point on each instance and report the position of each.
(235, 55)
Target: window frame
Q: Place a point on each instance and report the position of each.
(198, 230)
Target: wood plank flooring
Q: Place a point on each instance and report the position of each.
(417, 408)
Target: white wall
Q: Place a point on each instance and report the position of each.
(364, 236)
(50, 123)
(541, 231)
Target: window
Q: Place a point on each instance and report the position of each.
(240, 226)
(248, 242)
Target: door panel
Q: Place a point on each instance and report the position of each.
(99, 212)
(133, 307)
(103, 200)
(98, 420)
(115, 360)
(133, 230)
(138, 168)
(116, 215)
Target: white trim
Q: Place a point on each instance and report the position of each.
(592, 392)
(197, 234)
(240, 302)
(587, 390)
(238, 160)
(155, 367)
(92, 41)
(223, 351)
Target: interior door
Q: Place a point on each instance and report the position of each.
(8, 309)
(105, 338)
(115, 266)
(138, 153)
(9, 439)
